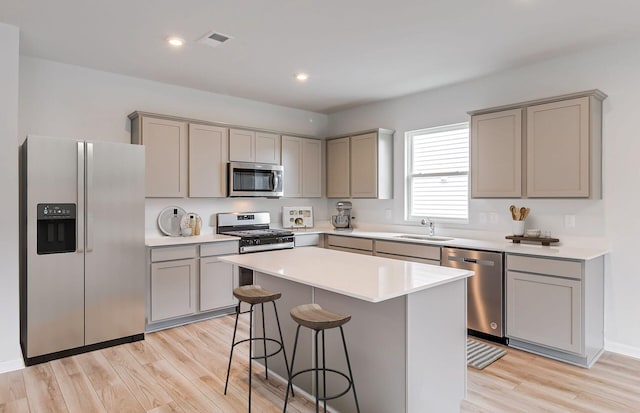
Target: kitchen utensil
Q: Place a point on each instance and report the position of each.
(169, 220)
(512, 208)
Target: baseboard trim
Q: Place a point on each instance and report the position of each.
(623, 349)
(11, 365)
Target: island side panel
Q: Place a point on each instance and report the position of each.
(293, 294)
(436, 348)
(376, 340)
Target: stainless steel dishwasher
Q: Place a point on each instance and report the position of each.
(485, 290)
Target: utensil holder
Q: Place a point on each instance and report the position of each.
(517, 227)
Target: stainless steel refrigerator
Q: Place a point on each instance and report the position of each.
(82, 284)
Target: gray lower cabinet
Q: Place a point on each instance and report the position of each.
(555, 307)
(426, 254)
(173, 289)
(188, 283)
(350, 244)
(217, 278)
(309, 240)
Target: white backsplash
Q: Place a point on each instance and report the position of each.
(207, 208)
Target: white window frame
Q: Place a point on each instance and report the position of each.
(409, 175)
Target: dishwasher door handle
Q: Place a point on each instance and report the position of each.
(488, 263)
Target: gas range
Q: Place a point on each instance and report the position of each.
(254, 232)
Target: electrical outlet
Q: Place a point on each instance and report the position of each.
(388, 214)
(569, 221)
(493, 217)
(482, 217)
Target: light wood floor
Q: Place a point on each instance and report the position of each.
(183, 370)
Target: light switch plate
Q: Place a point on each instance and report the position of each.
(569, 221)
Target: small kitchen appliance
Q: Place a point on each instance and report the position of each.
(342, 221)
(247, 179)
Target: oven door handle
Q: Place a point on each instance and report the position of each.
(275, 181)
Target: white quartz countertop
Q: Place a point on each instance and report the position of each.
(368, 278)
(196, 239)
(553, 251)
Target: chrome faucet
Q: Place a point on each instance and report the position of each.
(432, 226)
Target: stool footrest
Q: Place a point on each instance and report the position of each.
(272, 340)
(350, 384)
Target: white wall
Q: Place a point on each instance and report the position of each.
(63, 100)
(614, 69)
(10, 357)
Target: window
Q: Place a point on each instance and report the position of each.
(438, 173)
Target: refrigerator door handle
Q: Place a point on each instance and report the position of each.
(89, 198)
(80, 207)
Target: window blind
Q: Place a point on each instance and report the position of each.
(438, 172)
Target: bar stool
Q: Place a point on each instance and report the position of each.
(318, 319)
(254, 294)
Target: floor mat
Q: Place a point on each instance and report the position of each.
(480, 355)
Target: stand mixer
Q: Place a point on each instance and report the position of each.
(342, 221)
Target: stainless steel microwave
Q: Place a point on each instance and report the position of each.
(254, 179)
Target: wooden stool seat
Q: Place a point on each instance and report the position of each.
(254, 294)
(317, 318)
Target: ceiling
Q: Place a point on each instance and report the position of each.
(355, 51)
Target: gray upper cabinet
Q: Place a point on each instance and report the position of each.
(208, 157)
(252, 146)
(338, 175)
(564, 148)
(548, 148)
(361, 165)
(302, 162)
(188, 157)
(496, 154)
(166, 158)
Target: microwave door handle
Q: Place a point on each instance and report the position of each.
(274, 180)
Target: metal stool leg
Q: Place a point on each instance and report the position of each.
(233, 344)
(293, 359)
(284, 353)
(316, 371)
(346, 354)
(264, 343)
(250, 350)
(324, 374)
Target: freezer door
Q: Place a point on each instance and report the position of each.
(115, 260)
(53, 308)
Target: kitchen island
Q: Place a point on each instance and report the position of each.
(407, 335)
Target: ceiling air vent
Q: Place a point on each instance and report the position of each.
(214, 39)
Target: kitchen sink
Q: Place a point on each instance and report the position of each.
(424, 237)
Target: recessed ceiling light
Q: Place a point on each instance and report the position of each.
(302, 77)
(175, 41)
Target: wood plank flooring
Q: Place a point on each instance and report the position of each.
(183, 370)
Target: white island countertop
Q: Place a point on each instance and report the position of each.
(364, 277)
